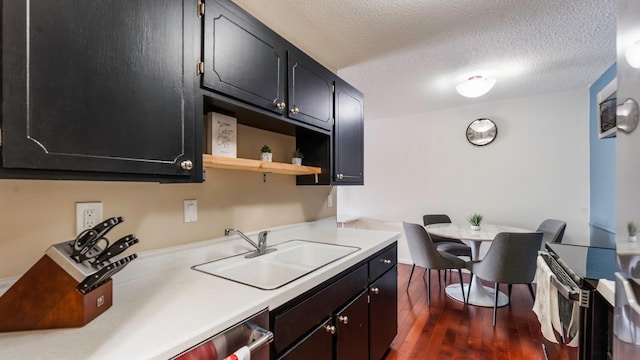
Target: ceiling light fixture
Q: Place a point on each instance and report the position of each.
(475, 86)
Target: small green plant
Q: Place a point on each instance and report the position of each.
(265, 149)
(475, 219)
(298, 154)
(632, 228)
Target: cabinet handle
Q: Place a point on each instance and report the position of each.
(343, 319)
(295, 110)
(281, 105)
(339, 176)
(330, 329)
(386, 261)
(375, 290)
(186, 165)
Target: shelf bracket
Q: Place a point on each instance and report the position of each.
(316, 175)
(264, 177)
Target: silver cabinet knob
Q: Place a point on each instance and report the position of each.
(375, 290)
(186, 165)
(281, 105)
(343, 319)
(294, 110)
(386, 261)
(330, 329)
(339, 176)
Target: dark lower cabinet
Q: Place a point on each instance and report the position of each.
(351, 316)
(352, 329)
(101, 87)
(318, 345)
(383, 311)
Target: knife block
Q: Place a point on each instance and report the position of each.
(45, 297)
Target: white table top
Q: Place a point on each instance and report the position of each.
(487, 232)
(162, 307)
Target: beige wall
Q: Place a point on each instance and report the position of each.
(36, 214)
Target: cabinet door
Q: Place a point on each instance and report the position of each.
(383, 311)
(100, 86)
(243, 58)
(310, 91)
(352, 329)
(348, 135)
(317, 346)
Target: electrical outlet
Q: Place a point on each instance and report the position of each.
(330, 201)
(190, 211)
(88, 215)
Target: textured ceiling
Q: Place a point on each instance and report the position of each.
(408, 55)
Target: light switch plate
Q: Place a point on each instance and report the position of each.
(190, 211)
(330, 200)
(88, 215)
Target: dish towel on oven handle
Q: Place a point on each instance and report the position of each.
(241, 354)
(545, 306)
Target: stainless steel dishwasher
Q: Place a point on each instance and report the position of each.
(251, 333)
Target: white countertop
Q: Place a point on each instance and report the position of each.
(162, 307)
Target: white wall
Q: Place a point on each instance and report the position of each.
(537, 168)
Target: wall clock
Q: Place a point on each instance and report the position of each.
(482, 132)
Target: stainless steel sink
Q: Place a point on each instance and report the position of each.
(292, 260)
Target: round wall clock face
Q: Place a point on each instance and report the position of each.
(482, 132)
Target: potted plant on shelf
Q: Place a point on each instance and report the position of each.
(297, 157)
(475, 221)
(266, 154)
(632, 229)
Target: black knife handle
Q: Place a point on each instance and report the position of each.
(100, 276)
(116, 248)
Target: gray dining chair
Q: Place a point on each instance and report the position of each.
(511, 259)
(452, 246)
(423, 253)
(552, 230)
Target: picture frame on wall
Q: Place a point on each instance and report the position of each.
(607, 104)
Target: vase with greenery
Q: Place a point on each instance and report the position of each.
(475, 221)
(632, 230)
(266, 154)
(297, 157)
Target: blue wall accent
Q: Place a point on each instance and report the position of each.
(602, 177)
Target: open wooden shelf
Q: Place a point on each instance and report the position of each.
(219, 162)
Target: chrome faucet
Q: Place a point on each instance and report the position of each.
(261, 246)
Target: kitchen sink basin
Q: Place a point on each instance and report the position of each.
(292, 260)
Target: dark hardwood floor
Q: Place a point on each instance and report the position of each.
(449, 329)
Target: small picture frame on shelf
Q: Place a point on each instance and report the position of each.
(221, 132)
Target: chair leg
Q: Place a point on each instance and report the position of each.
(461, 286)
(510, 286)
(469, 291)
(445, 278)
(533, 296)
(495, 304)
(410, 275)
(429, 289)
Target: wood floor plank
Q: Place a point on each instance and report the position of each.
(449, 329)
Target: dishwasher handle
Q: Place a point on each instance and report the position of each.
(264, 337)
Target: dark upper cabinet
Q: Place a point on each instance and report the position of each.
(348, 136)
(101, 87)
(243, 58)
(310, 90)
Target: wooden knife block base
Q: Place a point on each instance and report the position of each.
(45, 297)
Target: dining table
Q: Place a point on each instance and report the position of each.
(479, 294)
